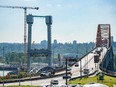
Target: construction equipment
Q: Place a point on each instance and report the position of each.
(25, 13)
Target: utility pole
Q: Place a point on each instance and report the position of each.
(25, 28)
(66, 73)
(3, 66)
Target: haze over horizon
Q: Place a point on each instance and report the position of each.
(72, 19)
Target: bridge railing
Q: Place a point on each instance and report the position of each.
(86, 54)
(108, 72)
(104, 70)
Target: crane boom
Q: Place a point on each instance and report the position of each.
(19, 7)
(25, 13)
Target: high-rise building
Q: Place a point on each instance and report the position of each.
(74, 42)
(112, 39)
(44, 43)
(55, 42)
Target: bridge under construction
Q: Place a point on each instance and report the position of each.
(103, 53)
(103, 42)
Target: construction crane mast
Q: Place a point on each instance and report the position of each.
(25, 28)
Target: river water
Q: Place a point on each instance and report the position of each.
(1, 71)
(5, 73)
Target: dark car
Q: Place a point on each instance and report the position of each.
(12, 75)
(47, 69)
(86, 71)
(68, 68)
(66, 77)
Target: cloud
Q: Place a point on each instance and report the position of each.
(58, 5)
(49, 5)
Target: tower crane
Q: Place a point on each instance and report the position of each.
(25, 13)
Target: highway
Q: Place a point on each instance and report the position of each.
(86, 62)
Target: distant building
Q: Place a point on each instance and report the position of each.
(44, 43)
(74, 42)
(112, 39)
(67, 43)
(55, 42)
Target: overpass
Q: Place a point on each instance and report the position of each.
(99, 59)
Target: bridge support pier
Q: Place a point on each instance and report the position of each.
(29, 22)
(45, 52)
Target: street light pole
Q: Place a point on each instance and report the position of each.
(80, 61)
(87, 55)
(80, 67)
(19, 75)
(87, 59)
(66, 71)
(53, 57)
(3, 66)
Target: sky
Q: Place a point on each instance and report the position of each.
(72, 19)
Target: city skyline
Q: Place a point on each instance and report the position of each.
(72, 19)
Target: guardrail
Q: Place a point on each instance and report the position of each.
(108, 72)
(105, 71)
(95, 72)
(28, 78)
(86, 54)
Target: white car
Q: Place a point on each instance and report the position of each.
(45, 73)
(77, 64)
(54, 82)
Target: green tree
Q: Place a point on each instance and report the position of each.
(14, 57)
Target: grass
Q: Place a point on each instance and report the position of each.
(109, 81)
(22, 86)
